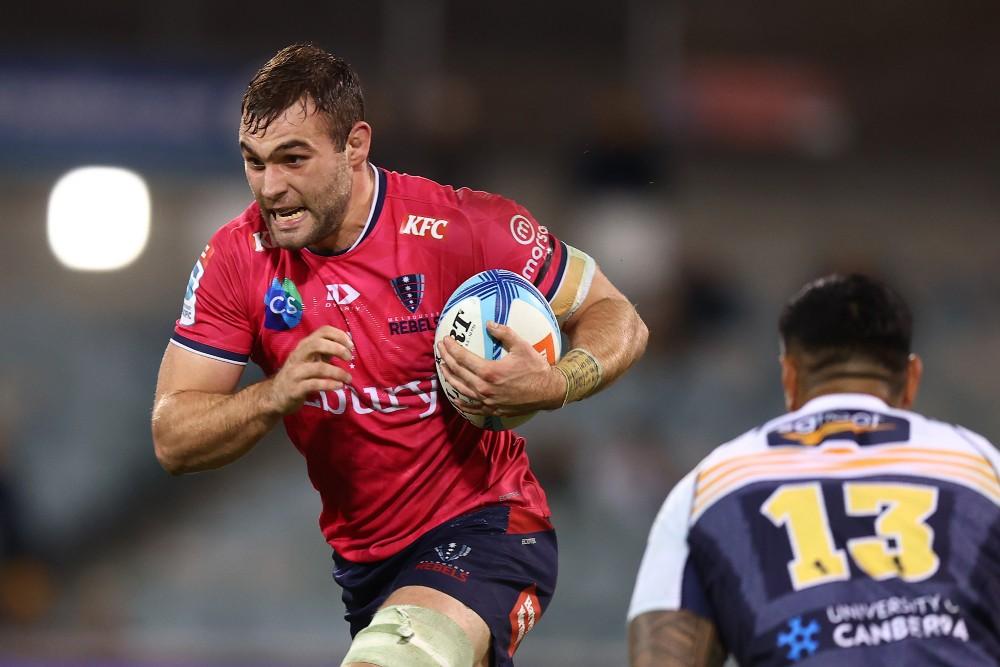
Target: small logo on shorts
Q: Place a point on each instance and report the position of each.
(527, 609)
(452, 551)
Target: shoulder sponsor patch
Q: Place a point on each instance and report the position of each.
(863, 427)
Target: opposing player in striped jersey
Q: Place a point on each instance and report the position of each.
(332, 281)
(850, 531)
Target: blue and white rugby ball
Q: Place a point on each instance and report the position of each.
(506, 298)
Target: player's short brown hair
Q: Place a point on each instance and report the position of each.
(299, 72)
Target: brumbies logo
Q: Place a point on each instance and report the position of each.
(452, 551)
(283, 306)
(861, 426)
(410, 290)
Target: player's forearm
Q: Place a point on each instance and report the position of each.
(612, 331)
(673, 639)
(195, 431)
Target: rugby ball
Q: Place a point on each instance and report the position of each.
(506, 298)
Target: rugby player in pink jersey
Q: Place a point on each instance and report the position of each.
(332, 281)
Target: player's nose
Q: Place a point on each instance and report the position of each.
(273, 184)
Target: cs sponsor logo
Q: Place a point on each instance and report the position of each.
(194, 281)
(282, 306)
(341, 294)
(416, 225)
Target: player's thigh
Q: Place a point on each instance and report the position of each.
(472, 625)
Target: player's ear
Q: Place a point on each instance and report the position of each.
(358, 143)
(789, 381)
(914, 371)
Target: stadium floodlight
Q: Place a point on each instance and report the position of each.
(98, 218)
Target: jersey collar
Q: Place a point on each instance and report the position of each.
(840, 401)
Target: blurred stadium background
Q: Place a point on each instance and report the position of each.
(712, 156)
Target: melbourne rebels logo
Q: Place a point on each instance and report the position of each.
(452, 551)
(410, 290)
(282, 306)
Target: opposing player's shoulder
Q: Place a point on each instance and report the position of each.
(750, 442)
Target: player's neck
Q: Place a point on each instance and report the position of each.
(358, 207)
(871, 386)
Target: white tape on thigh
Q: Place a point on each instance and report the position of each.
(411, 636)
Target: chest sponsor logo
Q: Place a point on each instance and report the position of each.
(261, 241)
(853, 625)
(861, 426)
(194, 281)
(341, 294)
(416, 394)
(416, 225)
(283, 306)
(409, 289)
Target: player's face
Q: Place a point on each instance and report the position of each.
(299, 178)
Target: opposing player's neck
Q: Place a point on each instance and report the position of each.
(872, 386)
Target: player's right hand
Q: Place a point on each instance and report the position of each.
(308, 369)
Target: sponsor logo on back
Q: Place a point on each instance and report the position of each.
(860, 426)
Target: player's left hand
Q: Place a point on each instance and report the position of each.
(519, 383)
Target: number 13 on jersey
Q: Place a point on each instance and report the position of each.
(902, 545)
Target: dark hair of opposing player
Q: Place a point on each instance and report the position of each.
(843, 325)
(304, 71)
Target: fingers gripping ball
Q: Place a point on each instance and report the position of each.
(506, 298)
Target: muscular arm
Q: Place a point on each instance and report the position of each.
(673, 639)
(608, 326)
(199, 423)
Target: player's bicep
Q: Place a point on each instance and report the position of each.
(598, 289)
(675, 638)
(184, 370)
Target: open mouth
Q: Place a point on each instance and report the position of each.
(286, 217)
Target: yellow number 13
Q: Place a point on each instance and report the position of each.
(901, 547)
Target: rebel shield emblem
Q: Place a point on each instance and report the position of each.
(452, 551)
(410, 290)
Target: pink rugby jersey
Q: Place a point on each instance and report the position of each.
(389, 456)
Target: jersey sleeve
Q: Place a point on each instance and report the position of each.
(514, 240)
(214, 322)
(667, 579)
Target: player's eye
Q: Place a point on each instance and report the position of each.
(295, 159)
(254, 163)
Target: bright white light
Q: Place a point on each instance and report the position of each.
(98, 218)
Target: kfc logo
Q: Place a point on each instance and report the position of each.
(522, 230)
(416, 225)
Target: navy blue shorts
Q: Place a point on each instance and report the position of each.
(499, 561)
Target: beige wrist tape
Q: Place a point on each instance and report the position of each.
(583, 374)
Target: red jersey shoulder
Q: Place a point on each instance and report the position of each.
(430, 208)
